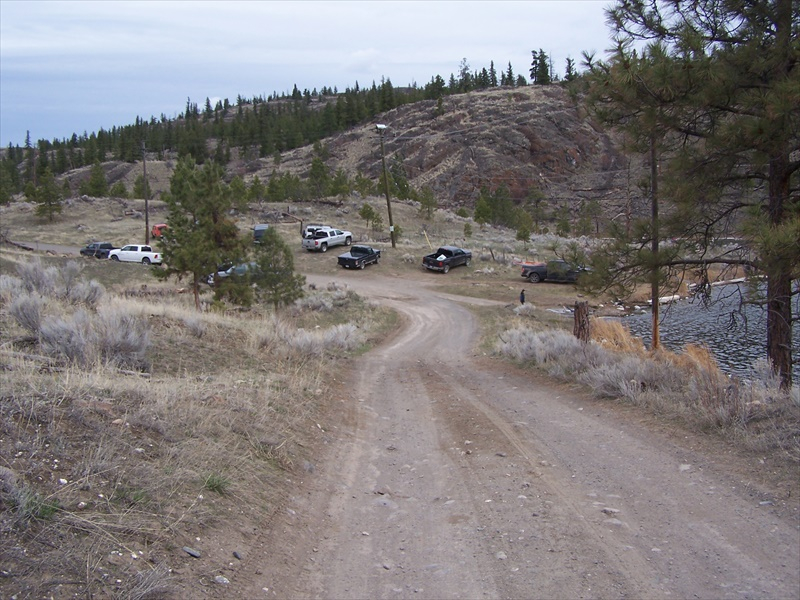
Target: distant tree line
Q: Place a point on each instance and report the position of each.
(255, 127)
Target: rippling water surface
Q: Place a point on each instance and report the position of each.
(737, 335)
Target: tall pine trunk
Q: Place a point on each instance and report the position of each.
(779, 281)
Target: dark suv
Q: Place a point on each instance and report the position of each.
(98, 249)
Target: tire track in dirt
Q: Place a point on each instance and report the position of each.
(458, 477)
(659, 516)
(402, 514)
(555, 548)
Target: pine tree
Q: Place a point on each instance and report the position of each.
(510, 80)
(569, 71)
(257, 191)
(97, 184)
(367, 213)
(139, 188)
(201, 235)
(540, 68)
(118, 190)
(720, 77)
(318, 177)
(427, 203)
(275, 279)
(47, 196)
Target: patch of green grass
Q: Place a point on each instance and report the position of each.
(30, 506)
(216, 482)
(130, 496)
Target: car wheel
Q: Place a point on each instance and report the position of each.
(348, 241)
(323, 248)
(446, 268)
(115, 257)
(469, 260)
(145, 261)
(534, 278)
(362, 265)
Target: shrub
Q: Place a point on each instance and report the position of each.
(525, 310)
(121, 339)
(37, 278)
(342, 337)
(86, 292)
(27, 311)
(306, 343)
(316, 303)
(67, 338)
(195, 325)
(112, 337)
(67, 278)
(9, 287)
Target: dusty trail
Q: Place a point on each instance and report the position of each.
(457, 478)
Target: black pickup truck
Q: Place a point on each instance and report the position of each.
(552, 270)
(447, 257)
(98, 249)
(359, 257)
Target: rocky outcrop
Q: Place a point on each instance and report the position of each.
(526, 139)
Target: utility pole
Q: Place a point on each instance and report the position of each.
(380, 129)
(146, 194)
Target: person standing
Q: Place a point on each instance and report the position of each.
(522, 297)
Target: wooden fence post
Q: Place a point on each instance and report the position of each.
(581, 327)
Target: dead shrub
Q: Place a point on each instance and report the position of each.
(613, 335)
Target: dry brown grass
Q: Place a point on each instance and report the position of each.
(107, 473)
(613, 334)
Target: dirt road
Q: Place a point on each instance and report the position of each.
(451, 476)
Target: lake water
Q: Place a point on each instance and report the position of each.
(736, 333)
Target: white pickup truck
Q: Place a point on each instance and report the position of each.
(325, 237)
(136, 253)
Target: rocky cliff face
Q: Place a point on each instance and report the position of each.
(524, 139)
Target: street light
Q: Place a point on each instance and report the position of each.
(146, 207)
(380, 127)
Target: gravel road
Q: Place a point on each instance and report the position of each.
(450, 475)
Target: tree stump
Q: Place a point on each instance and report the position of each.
(581, 328)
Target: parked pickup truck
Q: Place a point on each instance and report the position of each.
(359, 257)
(136, 253)
(326, 237)
(447, 257)
(552, 270)
(98, 249)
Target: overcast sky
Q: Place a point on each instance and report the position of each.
(75, 67)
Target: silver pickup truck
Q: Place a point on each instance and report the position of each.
(322, 239)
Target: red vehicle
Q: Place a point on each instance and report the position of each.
(158, 230)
